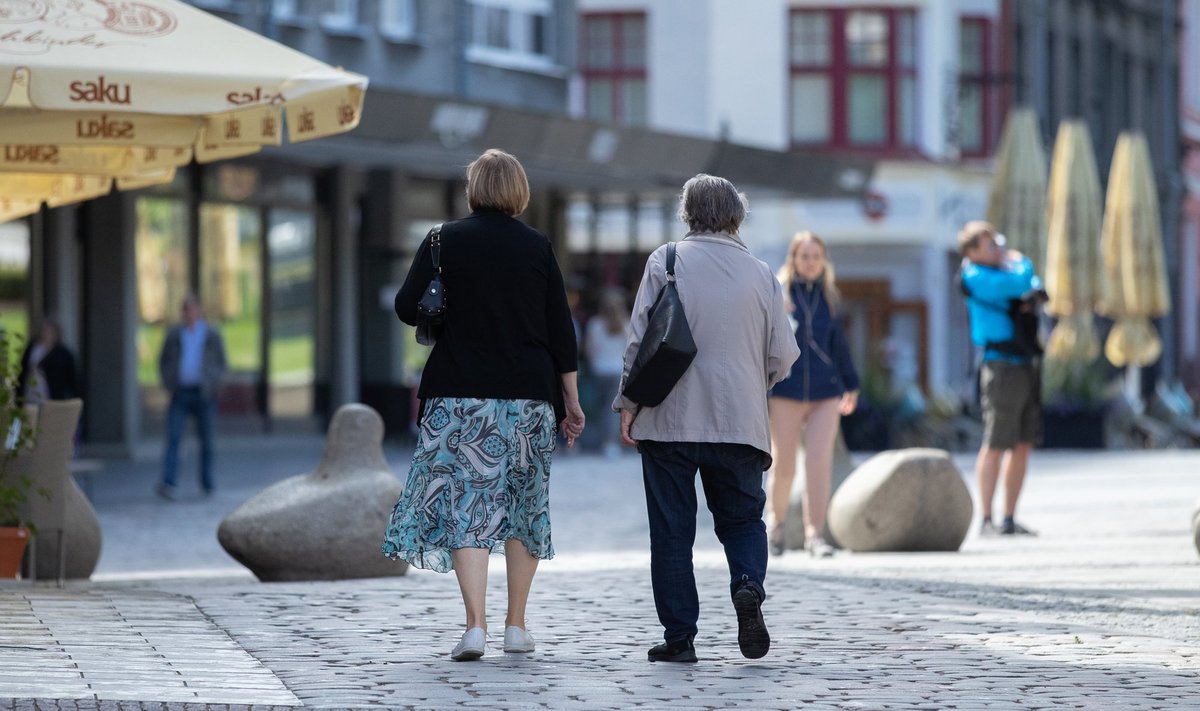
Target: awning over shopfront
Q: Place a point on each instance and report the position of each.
(93, 92)
(438, 136)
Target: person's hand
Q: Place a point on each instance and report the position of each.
(1014, 256)
(849, 402)
(572, 425)
(627, 425)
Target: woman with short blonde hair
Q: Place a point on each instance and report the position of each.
(808, 405)
(500, 378)
(496, 181)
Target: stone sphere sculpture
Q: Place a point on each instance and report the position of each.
(327, 524)
(902, 500)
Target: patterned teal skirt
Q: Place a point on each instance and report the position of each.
(480, 476)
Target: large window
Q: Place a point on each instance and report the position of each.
(516, 34)
(854, 78)
(614, 67)
(974, 95)
(398, 18)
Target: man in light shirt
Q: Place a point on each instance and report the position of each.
(191, 365)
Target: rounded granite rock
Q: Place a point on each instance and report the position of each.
(903, 500)
(327, 524)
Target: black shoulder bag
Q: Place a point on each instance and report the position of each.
(431, 309)
(667, 347)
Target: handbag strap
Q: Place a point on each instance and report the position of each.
(670, 261)
(435, 248)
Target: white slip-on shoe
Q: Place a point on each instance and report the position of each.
(471, 647)
(517, 640)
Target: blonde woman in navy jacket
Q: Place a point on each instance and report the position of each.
(808, 405)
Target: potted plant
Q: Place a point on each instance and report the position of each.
(17, 435)
(1075, 398)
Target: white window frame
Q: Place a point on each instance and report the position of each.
(344, 16)
(520, 54)
(398, 19)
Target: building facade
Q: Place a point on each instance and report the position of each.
(913, 84)
(297, 252)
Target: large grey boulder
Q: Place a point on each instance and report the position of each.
(902, 500)
(328, 524)
(1196, 525)
(793, 528)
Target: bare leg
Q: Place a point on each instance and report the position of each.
(1014, 475)
(471, 567)
(521, 566)
(819, 438)
(787, 424)
(987, 469)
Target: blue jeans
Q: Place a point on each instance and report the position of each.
(732, 478)
(190, 401)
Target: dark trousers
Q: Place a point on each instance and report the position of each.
(732, 478)
(191, 401)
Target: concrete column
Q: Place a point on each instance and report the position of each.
(383, 269)
(61, 282)
(344, 285)
(937, 277)
(111, 415)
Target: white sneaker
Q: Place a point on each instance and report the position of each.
(517, 640)
(471, 647)
(818, 547)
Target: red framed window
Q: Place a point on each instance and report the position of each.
(975, 101)
(613, 50)
(853, 75)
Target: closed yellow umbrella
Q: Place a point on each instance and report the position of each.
(1135, 280)
(1017, 203)
(1073, 214)
(96, 94)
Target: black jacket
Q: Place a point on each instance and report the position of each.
(508, 332)
(57, 367)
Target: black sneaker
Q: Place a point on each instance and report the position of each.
(1012, 528)
(681, 650)
(987, 529)
(753, 638)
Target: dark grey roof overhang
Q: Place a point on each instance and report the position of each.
(437, 137)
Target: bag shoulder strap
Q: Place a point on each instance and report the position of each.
(670, 261)
(435, 247)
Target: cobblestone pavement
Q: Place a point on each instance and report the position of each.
(1098, 612)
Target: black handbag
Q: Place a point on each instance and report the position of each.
(667, 347)
(431, 309)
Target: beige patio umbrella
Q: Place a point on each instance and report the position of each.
(101, 92)
(1134, 287)
(1017, 204)
(1073, 213)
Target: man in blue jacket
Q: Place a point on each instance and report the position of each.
(1003, 294)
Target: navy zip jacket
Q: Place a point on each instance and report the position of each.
(824, 369)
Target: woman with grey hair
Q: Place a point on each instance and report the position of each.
(714, 420)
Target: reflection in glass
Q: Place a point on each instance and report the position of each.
(811, 108)
(868, 109)
(867, 38)
(14, 277)
(231, 291)
(291, 241)
(160, 250)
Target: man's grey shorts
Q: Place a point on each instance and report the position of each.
(1012, 404)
